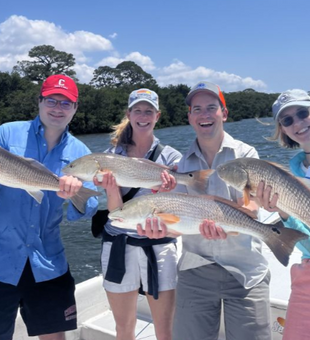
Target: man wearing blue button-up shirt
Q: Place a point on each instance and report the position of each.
(34, 272)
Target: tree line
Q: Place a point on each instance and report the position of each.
(102, 102)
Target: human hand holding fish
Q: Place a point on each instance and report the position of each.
(168, 182)
(30, 175)
(280, 191)
(184, 213)
(152, 229)
(155, 229)
(209, 230)
(134, 172)
(158, 229)
(69, 186)
(267, 201)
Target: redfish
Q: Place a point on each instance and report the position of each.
(32, 176)
(133, 172)
(183, 214)
(244, 174)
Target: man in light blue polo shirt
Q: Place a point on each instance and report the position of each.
(34, 272)
(217, 270)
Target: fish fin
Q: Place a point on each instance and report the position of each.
(285, 171)
(280, 166)
(199, 180)
(148, 161)
(281, 321)
(282, 241)
(246, 196)
(305, 181)
(102, 172)
(234, 205)
(33, 163)
(80, 199)
(168, 218)
(37, 195)
(233, 233)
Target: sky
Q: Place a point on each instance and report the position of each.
(237, 44)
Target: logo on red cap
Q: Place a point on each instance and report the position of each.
(60, 84)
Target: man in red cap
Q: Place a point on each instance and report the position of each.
(34, 274)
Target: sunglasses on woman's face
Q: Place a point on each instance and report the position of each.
(289, 120)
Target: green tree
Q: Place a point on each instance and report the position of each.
(133, 75)
(126, 75)
(105, 76)
(46, 61)
(172, 102)
(18, 98)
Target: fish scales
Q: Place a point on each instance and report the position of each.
(293, 195)
(17, 170)
(194, 209)
(184, 213)
(133, 172)
(30, 175)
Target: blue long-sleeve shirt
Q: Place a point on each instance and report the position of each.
(28, 229)
(292, 222)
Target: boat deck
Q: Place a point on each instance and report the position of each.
(96, 322)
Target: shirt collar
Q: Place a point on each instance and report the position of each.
(228, 142)
(121, 150)
(39, 128)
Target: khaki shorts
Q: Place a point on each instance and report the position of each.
(136, 268)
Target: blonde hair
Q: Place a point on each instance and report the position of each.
(122, 134)
(283, 139)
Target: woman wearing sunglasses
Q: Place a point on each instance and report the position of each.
(291, 114)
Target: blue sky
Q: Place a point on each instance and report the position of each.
(238, 44)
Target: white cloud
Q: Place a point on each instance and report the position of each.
(19, 34)
(143, 61)
(179, 73)
(84, 73)
(113, 35)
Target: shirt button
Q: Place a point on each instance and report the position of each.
(28, 245)
(32, 226)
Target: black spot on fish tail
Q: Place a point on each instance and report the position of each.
(276, 230)
(282, 241)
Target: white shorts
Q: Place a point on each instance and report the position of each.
(136, 268)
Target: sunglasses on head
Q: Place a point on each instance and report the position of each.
(289, 120)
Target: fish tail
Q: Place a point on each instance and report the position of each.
(200, 180)
(282, 241)
(80, 199)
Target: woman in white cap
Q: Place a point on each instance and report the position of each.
(130, 261)
(291, 114)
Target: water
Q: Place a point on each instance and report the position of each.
(83, 251)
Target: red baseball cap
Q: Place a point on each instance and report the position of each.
(60, 84)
